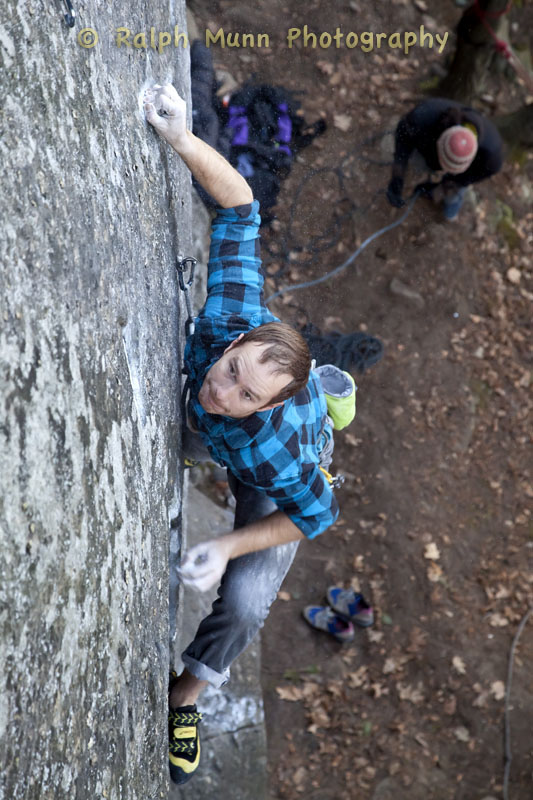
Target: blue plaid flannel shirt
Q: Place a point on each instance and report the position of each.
(275, 451)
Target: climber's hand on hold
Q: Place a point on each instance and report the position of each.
(167, 112)
(204, 564)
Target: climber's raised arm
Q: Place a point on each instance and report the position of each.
(167, 112)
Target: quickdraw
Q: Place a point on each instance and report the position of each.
(184, 264)
(70, 16)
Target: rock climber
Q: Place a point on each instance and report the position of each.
(256, 407)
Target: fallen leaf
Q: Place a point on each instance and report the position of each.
(417, 640)
(357, 678)
(319, 716)
(291, 693)
(282, 595)
(513, 275)
(342, 121)
(299, 776)
(459, 665)
(334, 688)
(326, 67)
(309, 689)
(410, 693)
(358, 562)
(432, 552)
(497, 689)
(462, 734)
(389, 666)
(351, 440)
(434, 572)
(502, 593)
(481, 699)
(375, 636)
(498, 621)
(421, 741)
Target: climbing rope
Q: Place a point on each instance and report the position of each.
(345, 208)
(350, 258)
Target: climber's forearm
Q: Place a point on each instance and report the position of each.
(216, 175)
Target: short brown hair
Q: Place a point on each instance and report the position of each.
(288, 349)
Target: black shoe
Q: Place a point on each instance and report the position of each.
(183, 740)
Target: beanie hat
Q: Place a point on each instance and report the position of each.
(456, 148)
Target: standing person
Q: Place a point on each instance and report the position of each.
(256, 408)
(449, 137)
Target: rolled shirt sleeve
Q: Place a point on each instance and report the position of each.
(309, 503)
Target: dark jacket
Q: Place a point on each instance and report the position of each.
(421, 128)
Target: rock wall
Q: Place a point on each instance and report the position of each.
(94, 211)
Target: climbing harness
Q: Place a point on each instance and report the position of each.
(335, 481)
(352, 257)
(184, 264)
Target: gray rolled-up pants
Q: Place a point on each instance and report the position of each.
(249, 585)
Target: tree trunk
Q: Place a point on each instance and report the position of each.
(474, 53)
(516, 128)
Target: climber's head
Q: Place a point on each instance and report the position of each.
(258, 371)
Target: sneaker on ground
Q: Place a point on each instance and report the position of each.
(324, 619)
(350, 605)
(183, 740)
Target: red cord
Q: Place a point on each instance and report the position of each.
(501, 47)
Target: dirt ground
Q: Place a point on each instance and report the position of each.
(436, 524)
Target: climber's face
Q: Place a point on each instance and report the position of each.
(238, 384)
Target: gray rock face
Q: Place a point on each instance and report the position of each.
(94, 211)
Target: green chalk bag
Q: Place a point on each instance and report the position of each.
(340, 389)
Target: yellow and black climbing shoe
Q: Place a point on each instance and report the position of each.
(183, 743)
(183, 739)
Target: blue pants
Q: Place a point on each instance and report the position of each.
(453, 200)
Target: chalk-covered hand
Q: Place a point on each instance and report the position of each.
(394, 193)
(167, 112)
(204, 564)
